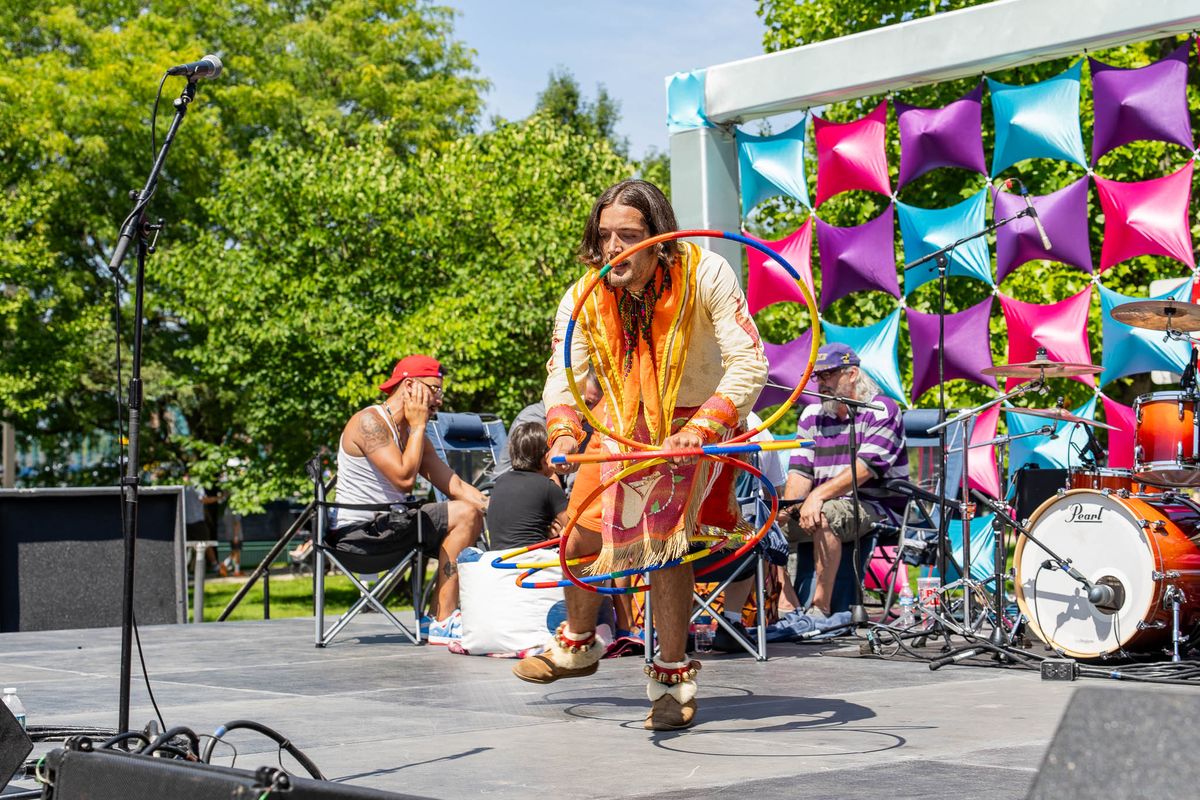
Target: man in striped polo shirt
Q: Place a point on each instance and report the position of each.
(820, 475)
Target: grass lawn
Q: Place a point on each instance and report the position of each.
(291, 596)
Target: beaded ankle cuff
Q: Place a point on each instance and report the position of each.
(573, 645)
(673, 675)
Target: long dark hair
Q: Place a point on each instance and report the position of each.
(654, 207)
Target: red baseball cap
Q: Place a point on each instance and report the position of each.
(414, 366)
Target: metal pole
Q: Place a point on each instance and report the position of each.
(9, 435)
(198, 580)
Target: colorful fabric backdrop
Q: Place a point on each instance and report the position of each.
(1035, 121)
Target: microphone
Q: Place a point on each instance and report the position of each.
(1030, 211)
(208, 67)
(1101, 594)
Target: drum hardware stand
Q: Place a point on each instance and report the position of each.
(1175, 596)
(1000, 551)
(941, 258)
(1037, 384)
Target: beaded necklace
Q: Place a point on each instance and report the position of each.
(637, 313)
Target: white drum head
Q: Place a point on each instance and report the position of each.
(1101, 537)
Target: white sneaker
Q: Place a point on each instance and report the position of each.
(447, 630)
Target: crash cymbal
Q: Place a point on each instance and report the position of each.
(1042, 368)
(1061, 415)
(1159, 315)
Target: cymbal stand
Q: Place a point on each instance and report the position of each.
(941, 258)
(1037, 384)
(1000, 523)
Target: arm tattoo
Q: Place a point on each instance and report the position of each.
(374, 433)
(449, 568)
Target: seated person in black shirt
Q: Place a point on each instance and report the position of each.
(527, 504)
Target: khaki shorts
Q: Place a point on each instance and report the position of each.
(840, 514)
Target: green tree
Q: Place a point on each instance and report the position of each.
(330, 264)
(562, 101)
(75, 99)
(791, 23)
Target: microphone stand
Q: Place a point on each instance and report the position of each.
(941, 257)
(858, 613)
(137, 230)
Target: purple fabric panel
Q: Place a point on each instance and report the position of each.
(858, 258)
(786, 363)
(950, 136)
(1064, 214)
(1149, 102)
(968, 347)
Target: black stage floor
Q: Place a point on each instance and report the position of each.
(375, 711)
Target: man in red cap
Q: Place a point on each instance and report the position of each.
(382, 450)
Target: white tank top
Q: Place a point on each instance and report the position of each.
(359, 482)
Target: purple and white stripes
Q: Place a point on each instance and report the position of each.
(880, 446)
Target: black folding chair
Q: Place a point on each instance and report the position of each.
(394, 565)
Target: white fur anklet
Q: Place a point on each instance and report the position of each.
(571, 650)
(676, 678)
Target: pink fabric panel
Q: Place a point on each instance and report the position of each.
(1060, 327)
(767, 281)
(1147, 218)
(851, 155)
(1120, 442)
(982, 473)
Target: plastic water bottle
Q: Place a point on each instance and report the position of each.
(703, 631)
(14, 705)
(907, 618)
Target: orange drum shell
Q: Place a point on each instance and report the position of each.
(1112, 479)
(1172, 549)
(1165, 426)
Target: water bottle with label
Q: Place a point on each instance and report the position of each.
(14, 705)
(907, 619)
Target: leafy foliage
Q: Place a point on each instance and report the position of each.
(328, 210)
(791, 23)
(563, 102)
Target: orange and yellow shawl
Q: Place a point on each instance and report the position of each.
(648, 518)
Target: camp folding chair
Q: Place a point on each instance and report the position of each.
(394, 566)
(731, 573)
(756, 509)
(457, 438)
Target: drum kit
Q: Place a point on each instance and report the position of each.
(1110, 566)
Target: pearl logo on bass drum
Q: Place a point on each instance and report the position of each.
(1085, 514)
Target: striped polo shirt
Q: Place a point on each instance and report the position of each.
(880, 446)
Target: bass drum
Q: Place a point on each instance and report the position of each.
(1137, 545)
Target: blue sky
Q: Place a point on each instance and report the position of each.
(628, 46)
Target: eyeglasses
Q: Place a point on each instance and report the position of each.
(437, 389)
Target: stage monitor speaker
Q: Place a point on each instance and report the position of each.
(15, 745)
(114, 775)
(62, 558)
(1121, 743)
(1032, 487)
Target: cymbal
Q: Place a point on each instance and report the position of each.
(1042, 368)
(1061, 415)
(1159, 315)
